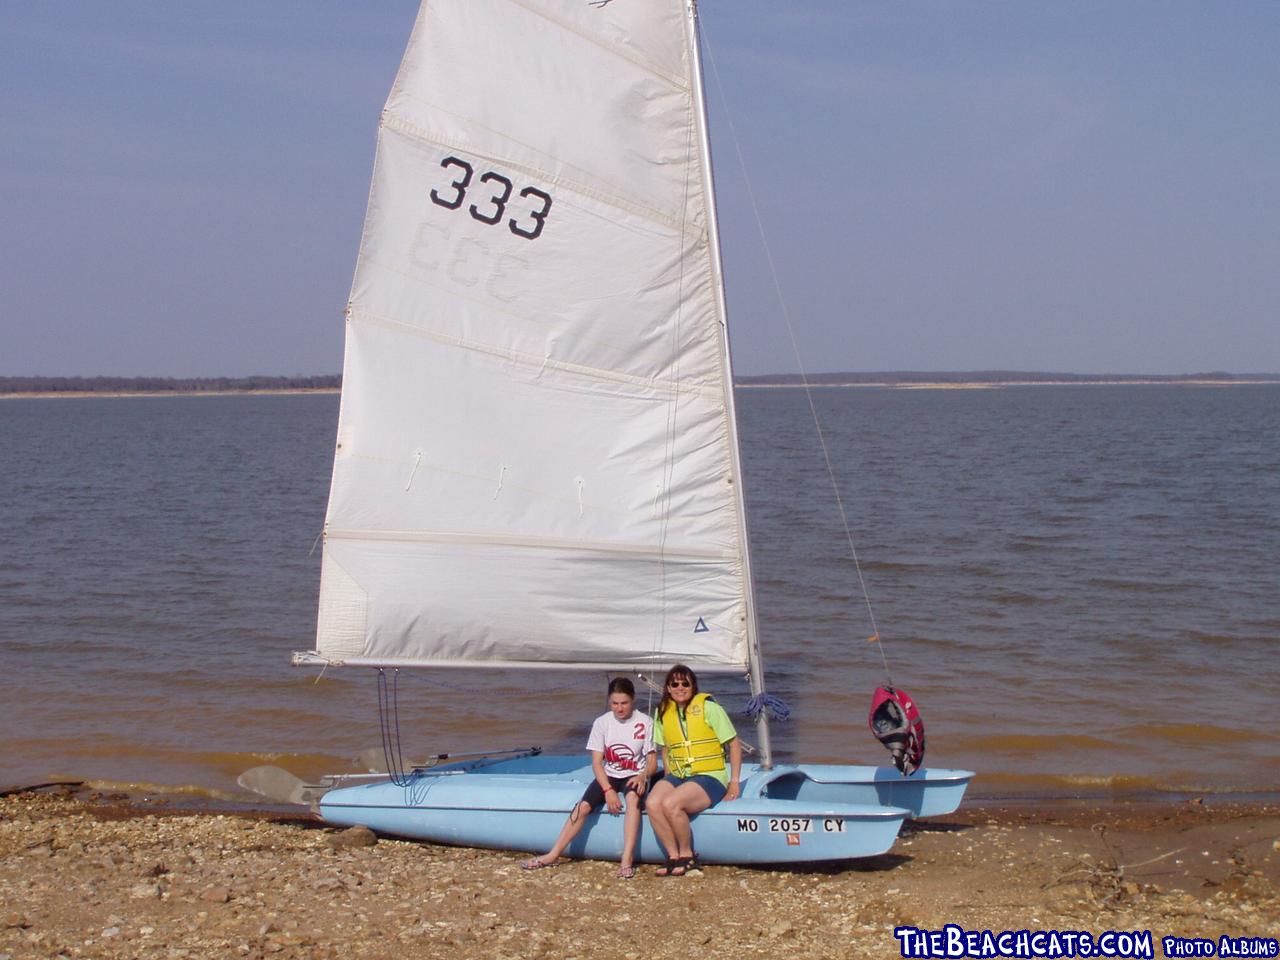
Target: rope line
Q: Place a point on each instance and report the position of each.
(795, 348)
(389, 721)
(777, 708)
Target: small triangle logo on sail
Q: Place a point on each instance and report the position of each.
(701, 626)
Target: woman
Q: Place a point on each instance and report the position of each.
(622, 759)
(693, 731)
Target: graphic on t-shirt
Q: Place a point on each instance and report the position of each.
(623, 744)
(621, 755)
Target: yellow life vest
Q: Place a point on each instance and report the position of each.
(692, 747)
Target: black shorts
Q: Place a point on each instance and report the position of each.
(594, 795)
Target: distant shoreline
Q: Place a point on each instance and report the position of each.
(997, 384)
(30, 387)
(751, 384)
(120, 394)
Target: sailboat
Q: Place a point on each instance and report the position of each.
(537, 458)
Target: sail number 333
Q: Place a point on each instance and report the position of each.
(527, 223)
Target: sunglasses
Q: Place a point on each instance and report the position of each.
(679, 683)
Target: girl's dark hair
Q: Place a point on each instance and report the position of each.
(683, 672)
(622, 685)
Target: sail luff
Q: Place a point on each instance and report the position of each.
(754, 659)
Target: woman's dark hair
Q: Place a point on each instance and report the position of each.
(622, 685)
(678, 671)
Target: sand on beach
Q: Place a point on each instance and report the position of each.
(88, 875)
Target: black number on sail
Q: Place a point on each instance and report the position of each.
(499, 202)
(539, 216)
(537, 219)
(460, 185)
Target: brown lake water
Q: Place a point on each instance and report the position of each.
(1078, 584)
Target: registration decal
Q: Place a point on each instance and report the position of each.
(791, 825)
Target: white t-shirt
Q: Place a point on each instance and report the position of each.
(624, 743)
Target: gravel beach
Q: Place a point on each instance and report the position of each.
(90, 875)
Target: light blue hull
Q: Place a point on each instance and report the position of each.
(926, 793)
(521, 804)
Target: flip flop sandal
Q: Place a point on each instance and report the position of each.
(626, 873)
(535, 864)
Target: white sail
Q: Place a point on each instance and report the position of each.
(535, 460)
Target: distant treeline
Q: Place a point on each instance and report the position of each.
(164, 384)
(990, 376)
(333, 381)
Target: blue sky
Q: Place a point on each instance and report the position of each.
(1089, 187)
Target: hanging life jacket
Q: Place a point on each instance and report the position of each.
(896, 723)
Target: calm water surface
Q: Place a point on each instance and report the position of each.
(1078, 584)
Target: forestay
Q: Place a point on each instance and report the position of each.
(535, 460)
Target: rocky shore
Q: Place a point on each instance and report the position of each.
(87, 875)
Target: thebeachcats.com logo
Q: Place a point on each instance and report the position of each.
(953, 941)
(1224, 946)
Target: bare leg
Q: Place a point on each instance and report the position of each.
(656, 805)
(630, 830)
(572, 827)
(669, 813)
(684, 802)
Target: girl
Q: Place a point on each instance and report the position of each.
(623, 760)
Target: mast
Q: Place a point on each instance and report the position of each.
(754, 660)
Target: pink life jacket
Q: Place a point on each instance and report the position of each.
(896, 723)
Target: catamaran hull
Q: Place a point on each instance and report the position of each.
(528, 816)
(782, 816)
(926, 793)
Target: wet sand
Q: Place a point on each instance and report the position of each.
(90, 875)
